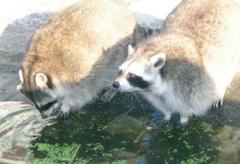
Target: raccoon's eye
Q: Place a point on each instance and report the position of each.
(119, 72)
(137, 81)
(131, 76)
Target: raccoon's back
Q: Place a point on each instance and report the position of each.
(91, 25)
(76, 39)
(208, 22)
(214, 27)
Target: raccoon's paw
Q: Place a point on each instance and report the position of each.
(184, 120)
(64, 111)
(184, 117)
(167, 116)
(217, 104)
(56, 108)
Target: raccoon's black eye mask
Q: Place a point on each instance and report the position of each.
(137, 81)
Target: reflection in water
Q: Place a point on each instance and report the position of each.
(115, 132)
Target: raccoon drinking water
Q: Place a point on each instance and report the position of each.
(187, 67)
(76, 55)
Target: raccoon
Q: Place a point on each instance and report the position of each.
(187, 67)
(76, 55)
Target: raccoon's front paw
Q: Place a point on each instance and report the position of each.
(64, 111)
(183, 120)
(167, 116)
(184, 117)
(217, 104)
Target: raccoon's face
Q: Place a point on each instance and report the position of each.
(140, 72)
(39, 89)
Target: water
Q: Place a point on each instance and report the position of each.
(122, 131)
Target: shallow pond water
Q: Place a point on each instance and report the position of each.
(125, 130)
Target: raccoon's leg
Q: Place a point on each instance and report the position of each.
(163, 108)
(220, 88)
(222, 81)
(159, 104)
(183, 120)
(221, 73)
(167, 114)
(220, 92)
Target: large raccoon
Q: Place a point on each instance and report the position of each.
(76, 55)
(187, 67)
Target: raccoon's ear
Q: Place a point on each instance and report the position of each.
(131, 50)
(41, 80)
(158, 60)
(20, 73)
(20, 86)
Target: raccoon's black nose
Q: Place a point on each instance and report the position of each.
(116, 84)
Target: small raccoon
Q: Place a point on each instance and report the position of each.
(76, 55)
(187, 67)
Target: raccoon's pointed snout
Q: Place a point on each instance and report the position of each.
(116, 84)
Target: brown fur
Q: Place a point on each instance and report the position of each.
(79, 51)
(73, 41)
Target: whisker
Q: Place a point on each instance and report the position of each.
(131, 98)
(138, 100)
(104, 80)
(108, 82)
